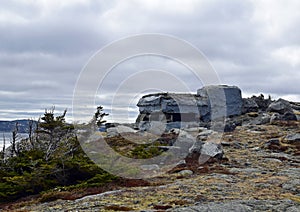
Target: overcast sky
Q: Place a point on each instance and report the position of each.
(45, 44)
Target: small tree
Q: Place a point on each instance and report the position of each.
(99, 116)
(53, 132)
(15, 138)
(3, 149)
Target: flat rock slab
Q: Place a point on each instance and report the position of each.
(244, 206)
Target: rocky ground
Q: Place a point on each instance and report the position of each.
(260, 171)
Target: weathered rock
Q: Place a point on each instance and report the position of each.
(229, 126)
(212, 150)
(249, 105)
(115, 131)
(243, 206)
(275, 117)
(224, 101)
(195, 129)
(214, 102)
(206, 133)
(288, 116)
(292, 185)
(265, 119)
(262, 118)
(168, 103)
(280, 106)
(217, 207)
(273, 143)
(261, 102)
(186, 172)
(293, 138)
(144, 125)
(196, 148)
(203, 152)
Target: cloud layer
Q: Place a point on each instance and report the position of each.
(45, 44)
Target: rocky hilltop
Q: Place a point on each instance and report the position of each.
(214, 103)
(253, 166)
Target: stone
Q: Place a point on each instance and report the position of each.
(280, 106)
(293, 138)
(261, 102)
(168, 103)
(272, 143)
(186, 173)
(111, 132)
(224, 101)
(264, 119)
(172, 125)
(196, 148)
(288, 116)
(292, 185)
(202, 136)
(249, 105)
(157, 127)
(275, 117)
(212, 150)
(206, 133)
(216, 206)
(174, 110)
(181, 163)
(115, 131)
(253, 114)
(229, 126)
(194, 129)
(143, 125)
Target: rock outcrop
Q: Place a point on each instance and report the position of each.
(223, 100)
(183, 110)
(220, 107)
(280, 106)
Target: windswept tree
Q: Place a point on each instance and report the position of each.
(99, 115)
(53, 133)
(14, 142)
(2, 153)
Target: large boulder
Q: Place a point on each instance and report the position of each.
(168, 103)
(224, 101)
(280, 106)
(115, 131)
(204, 151)
(261, 102)
(175, 110)
(249, 105)
(289, 116)
(212, 150)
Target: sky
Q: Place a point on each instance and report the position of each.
(45, 45)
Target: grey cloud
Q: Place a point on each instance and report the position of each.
(42, 50)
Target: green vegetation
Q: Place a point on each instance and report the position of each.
(128, 148)
(52, 163)
(145, 151)
(50, 158)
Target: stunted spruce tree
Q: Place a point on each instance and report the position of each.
(54, 134)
